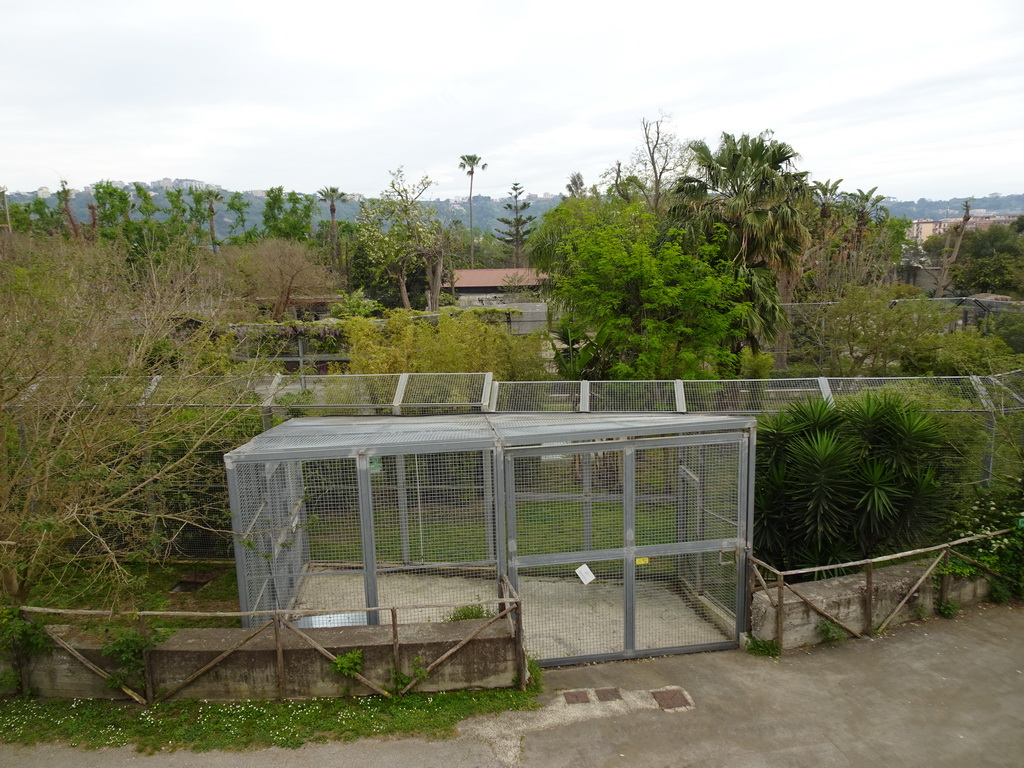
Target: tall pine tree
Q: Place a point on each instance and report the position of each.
(518, 226)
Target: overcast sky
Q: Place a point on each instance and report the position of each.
(921, 99)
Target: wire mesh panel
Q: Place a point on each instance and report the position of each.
(646, 522)
(1007, 390)
(685, 600)
(687, 493)
(568, 502)
(563, 618)
(333, 574)
(433, 517)
(520, 396)
(644, 396)
(328, 395)
(748, 395)
(450, 392)
(940, 393)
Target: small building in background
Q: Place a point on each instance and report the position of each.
(497, 287)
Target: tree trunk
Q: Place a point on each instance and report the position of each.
(945, 272)
(404, 291)
(472, 236)
(787, 287)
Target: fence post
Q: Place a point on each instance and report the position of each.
(869, 598)
(988, 460)
(524, 668)
(944, 580)
(780, 598)
(147, 670)
(280, 656)
(394, 639)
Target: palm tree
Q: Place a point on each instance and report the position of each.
(332, 196)
(750, 186)
(469, 164)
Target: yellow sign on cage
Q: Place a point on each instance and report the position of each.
(643, 560)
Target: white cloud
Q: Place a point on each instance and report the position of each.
(917, 101)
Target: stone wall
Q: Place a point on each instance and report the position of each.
(844, 598)
(488, 661)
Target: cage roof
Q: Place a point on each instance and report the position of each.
(345, 436)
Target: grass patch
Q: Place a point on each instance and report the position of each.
(831, 632)
(767, 648)
(201, 726)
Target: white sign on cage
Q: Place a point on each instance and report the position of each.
(586, 575)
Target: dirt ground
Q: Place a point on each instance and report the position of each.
(561, 617)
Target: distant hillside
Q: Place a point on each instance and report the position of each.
(946, 209)
(486, 210)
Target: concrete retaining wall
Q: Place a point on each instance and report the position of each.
(488, 661)
(844, 598)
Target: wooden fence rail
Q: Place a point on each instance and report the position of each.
(508, 607)
(774, 588)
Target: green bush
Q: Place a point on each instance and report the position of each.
(766, 648)
(469, 612)
(848, 481)
(948, 609)
(349, 664)
(998, 507)
(831, 632)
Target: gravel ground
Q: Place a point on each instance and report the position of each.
(561, 617)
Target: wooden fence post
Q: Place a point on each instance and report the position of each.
(869, 597)
(780, 602)
(394, 639)
(147, 670)
(945, 579)
(281, 689)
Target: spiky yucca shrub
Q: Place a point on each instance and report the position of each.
(848, 481)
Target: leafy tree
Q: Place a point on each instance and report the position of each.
(213, 197)
(750, 186)
(277, 270)
(950, 254)
(857, 480)
(113, 208)
(80, 490)
(991, 261)
(872, 332)
(576, 187)
(469, 164)
(653, 169)
(238, 206)
(290, 216)
(400, 234)
(36, 216)
(198, 213)
(518, 226)
(661, 311)
(64, 202)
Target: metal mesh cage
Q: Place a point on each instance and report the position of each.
(346, 515)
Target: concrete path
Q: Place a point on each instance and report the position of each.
(938, 693)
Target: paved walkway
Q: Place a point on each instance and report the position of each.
(938, 693)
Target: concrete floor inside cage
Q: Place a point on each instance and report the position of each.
(562, 617)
